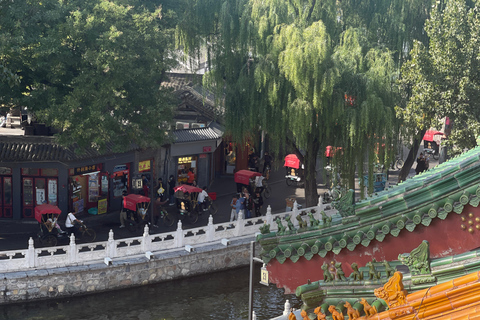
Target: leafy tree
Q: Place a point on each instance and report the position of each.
(92, 68)
(443, 79)
(311, 73)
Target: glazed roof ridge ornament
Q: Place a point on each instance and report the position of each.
(393, 292)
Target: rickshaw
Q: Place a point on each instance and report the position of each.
(187, 204)
(136, 207)
(294, 170)
(252, 181)
(430, 144)
(47, 216)
(50, 233)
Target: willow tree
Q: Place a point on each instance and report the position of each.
(310, 73)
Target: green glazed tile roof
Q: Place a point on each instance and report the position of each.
(442, 190)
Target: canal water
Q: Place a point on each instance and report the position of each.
(221, 295)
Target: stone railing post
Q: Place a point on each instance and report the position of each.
(295, 213)
(31, 256)
(147, 240)
(210, 229)
(286, 310)
(319, 206)
(268, 216)
(254, 316)
(240, 225)
(111, 247)
(179, 235)
(73, 249)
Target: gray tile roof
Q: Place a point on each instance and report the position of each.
(213, 132)
(41, 148)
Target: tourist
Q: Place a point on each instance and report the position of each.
(240, 206)
(248, 206)
(257, 203)
(123, 212)
(233, 213)
(267, 162)
(201, 199)
(421, 164)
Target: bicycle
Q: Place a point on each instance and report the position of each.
(398, 163)
(168, 218)
(86, 234)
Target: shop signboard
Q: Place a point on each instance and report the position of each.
(144, 166)
(102, 206)
(207, 149)
(86, 169)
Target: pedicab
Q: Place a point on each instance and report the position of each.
(187, 203)
(136, 207)
(253, 181)
(47, 217)
(294, 170)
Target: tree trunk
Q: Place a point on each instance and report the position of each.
(412, 155)
(311, 193)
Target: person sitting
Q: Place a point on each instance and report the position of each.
(201, 199)
(71, 223)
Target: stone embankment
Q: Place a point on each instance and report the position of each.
(118, 274)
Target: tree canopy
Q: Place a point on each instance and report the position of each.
(92, 68)
(442, 79)
(311, 73)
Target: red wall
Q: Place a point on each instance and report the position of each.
(444, 236)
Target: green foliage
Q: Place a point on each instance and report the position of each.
(442, 80)
(288, 67)
(91, 68)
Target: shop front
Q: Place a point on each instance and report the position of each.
(88, 189)
(184, 165)
(38, 186)
(6, 202)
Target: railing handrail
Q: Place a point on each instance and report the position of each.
(82, 254)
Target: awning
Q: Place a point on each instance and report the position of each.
(430, 134)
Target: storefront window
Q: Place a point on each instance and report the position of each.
(121, 174)
(49, 172)
(104, 186)
(28, 191)
(7, 191)
(184, 165)
(30, 172)
(93, 190)
(52, 191)
(40, 191)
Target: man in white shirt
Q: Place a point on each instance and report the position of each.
(70, 222)
(201, 198)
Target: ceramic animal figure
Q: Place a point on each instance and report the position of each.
(340, 273)
(292, 316)
(372, 273)
(388, 269)
(313, 222)
(327, 276)
(335, 314)
(356, 275)
(326, 219)
(291, 227)
(304, 315)
(319, 313)
(351, 312)
(302, 224)
(281, 227)
(367, 308)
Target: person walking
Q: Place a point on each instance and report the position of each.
(171, 190)
(123, 212)
(248, 205)
(257, 203)
(233, 205)
(240, 206)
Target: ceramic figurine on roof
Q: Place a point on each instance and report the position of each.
(393, 292)
(346, 204)
(417, 261)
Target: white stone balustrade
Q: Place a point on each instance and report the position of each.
(83, 254)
